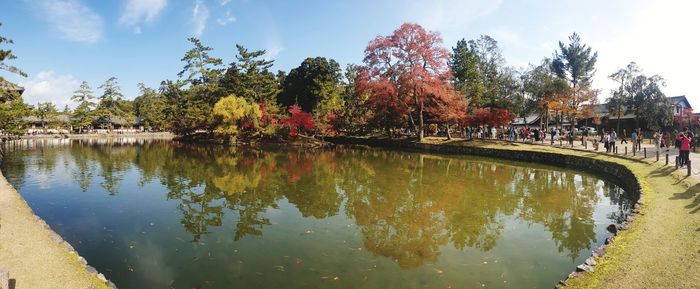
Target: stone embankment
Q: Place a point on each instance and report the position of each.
(33, 256)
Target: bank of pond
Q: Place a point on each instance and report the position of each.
(161, 214)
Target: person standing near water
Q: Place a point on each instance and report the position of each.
(657, 139)
(613, 138)
(684, 149)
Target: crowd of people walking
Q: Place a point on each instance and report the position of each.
(683, 140)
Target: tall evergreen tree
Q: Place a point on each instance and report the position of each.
(150, 107)
(467, 74)
(83, 116)
(250, 77)
(201, 75)
(110, 106)
(575, 62)
(12, 107)
(315, 86)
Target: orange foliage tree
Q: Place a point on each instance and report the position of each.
(405, 73)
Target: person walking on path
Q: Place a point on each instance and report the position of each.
(623, 136)
(657, 139)
(684, 150)
(634, 139)
(613, 138)
(552, 135)
(640, 139)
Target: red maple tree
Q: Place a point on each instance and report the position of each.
(403, 73)
(298, 121)
(686, 118)
(490, 117)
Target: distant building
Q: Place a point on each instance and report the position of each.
(57, 124)
(9, 90)
(606, 119)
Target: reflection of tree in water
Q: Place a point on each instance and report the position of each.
(407, 206)
(624, 200)
(562, 202)
(83, 172)
(318, 172)
(408, 214)
(113, 161)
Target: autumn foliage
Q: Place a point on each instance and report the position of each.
(686, 118)
(493, 117)
(298, 121)
(406, 75)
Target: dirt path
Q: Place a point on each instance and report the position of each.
(34, 256)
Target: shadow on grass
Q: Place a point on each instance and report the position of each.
(691, 193)
(662, 172)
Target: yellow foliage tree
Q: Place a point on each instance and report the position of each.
(233, 112)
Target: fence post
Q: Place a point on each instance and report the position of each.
(689, 168)
(676, 162)
(645, 153)
(657, 155)
(560, 142)
(625, 149)
(4, 278)
(634, 152)
(666, 158)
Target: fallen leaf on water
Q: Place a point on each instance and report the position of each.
(334, 278)
(438, 271)
(279, 268)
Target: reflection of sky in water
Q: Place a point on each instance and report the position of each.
(156, 215)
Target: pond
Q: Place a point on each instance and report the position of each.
(157, 214)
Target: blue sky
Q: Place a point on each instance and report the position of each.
(62, 42)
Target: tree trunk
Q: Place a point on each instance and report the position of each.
(449, 136)
(420, 123)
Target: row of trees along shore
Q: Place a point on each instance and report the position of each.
(407, 84)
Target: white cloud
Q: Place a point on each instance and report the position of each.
(224, 2)
(273, 50)
(228, 18)
(72, 19)
(139, 11)
(49, 86)
(200, 14)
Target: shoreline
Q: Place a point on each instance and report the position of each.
(34, 255)
(145, 135)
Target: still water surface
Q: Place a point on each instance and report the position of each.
(154, 214)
